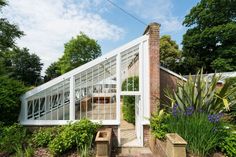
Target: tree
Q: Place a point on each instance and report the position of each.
(210, 42)
(78, 51)
(8, 32)
(10, 91)
(169, 52)
(24, 66)
(52, 72)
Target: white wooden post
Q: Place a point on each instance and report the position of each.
(118, 86)
(141, 83)
(24, 109)
(72, 98)
(118, 91)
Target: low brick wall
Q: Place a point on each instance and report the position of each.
(146, 135)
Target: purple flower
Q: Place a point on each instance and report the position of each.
(175, 110)
(214, 118)
(189, 111)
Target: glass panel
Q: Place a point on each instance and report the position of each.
(36, 109)
(50, 104)
(30, 109)
(95, 91)
(130, 69)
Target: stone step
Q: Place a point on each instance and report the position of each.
(134, 152)
(138, 155)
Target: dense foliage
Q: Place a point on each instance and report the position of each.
(169, 52)
(203, 94)
(52, 72)
(76, 135)
(12, 137)
(159, 124)
(128, 106)
(23, 66)
(228, 145)
(17, 141)
(43, 136)
(10, 91)
(210, 42)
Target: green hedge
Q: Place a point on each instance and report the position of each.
(128, 107)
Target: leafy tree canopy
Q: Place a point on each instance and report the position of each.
(210, 42)
(78, 51)
(169, 52)
(52, 72)
(23, 66)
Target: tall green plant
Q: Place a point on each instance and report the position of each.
(202, 132)
(203, 94)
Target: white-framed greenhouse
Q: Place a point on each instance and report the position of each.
(93, 90)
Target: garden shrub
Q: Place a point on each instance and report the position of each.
(159, 125)
(12, 137)
(128, 107)
(10, 91)
(228, 145)
(43, 136)
(75, 135)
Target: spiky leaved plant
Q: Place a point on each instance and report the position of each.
(203, 94)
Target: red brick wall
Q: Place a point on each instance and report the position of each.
(169, 81)
(146, 135)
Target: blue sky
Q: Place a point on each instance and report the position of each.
(48, 24)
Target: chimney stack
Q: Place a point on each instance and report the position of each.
(153, 30)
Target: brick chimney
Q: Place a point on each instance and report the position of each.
(153, 30)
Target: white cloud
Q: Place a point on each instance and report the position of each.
(156, 10)
(48, 24)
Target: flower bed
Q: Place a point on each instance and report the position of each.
(196, 112)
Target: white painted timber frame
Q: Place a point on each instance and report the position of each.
(142, 43)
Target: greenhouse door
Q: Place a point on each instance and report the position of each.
(138, 125)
